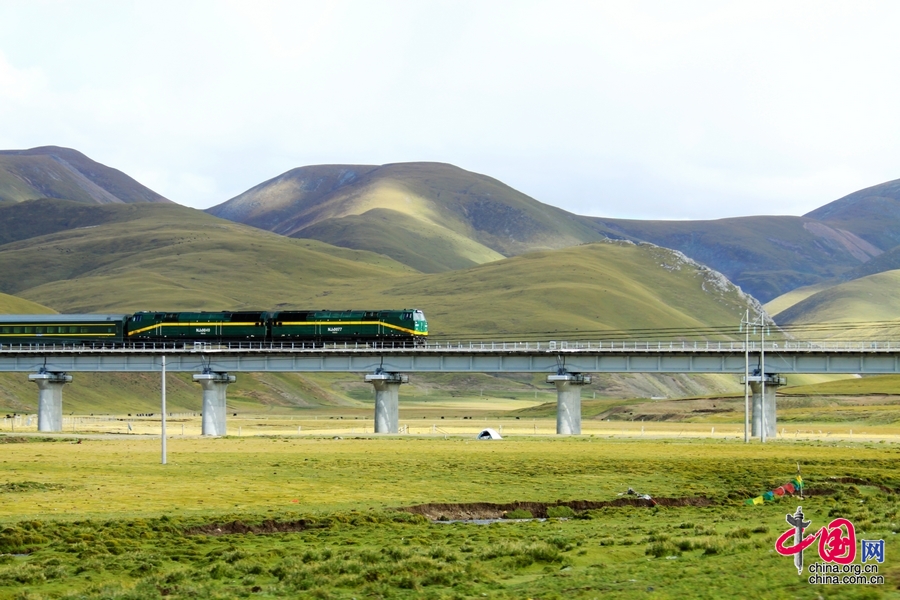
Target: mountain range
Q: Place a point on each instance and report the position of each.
(481, 258)
(77, 235)
(436, 217)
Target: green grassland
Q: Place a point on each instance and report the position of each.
(316, 517)
(872, 385)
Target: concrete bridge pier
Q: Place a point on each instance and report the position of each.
(50, 387)
(760, 405)
(214, 385)
(568, 401)
(387, 400)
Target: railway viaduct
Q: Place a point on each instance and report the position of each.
(568, 366)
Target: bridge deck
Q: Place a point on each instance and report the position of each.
(875, 357)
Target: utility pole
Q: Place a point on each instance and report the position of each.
(745, 325)
(163, 423)
(762, 375)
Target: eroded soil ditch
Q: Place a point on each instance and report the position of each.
(486, 510)
(233, 527)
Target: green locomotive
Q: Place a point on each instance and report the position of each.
(348, 325)
(198, 326)
(407, 325)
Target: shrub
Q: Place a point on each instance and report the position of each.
(560, 512)
(519, 513)
(661, 549)
(741, 533)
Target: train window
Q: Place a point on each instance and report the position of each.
(18, 329)
(39, 330)
(84, 330)
(4, 330)
(53, 330)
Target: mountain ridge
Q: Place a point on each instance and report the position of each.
(64, 173)
(436, 217)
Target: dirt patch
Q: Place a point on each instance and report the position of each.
(12, 439)
(216, 529)
(487, 510)
(858, 481)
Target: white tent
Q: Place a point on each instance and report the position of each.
(488, 434)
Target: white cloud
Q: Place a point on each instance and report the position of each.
(633, 109)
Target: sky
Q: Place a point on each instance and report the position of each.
(630, 109)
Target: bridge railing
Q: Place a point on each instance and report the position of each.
(558, 346)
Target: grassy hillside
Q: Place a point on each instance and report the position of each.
(13, 305)
(868, 308)
(872, 213)
(590, 288)
(33, 218)
(785, 301)
(166, 256)
(420, 244)
(766, 256)
(888, 261)
(53, 172)
(449, 217)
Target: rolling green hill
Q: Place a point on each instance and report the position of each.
(164, 256)
(592, 287)
(13, 305)
(862, 304)
(54, 172)
(785, 301)
(766, 256)
(431, 216)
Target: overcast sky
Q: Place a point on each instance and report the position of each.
(652, 110)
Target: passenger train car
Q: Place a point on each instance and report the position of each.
(407, 325)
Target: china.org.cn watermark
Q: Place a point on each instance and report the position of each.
(837, 549)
